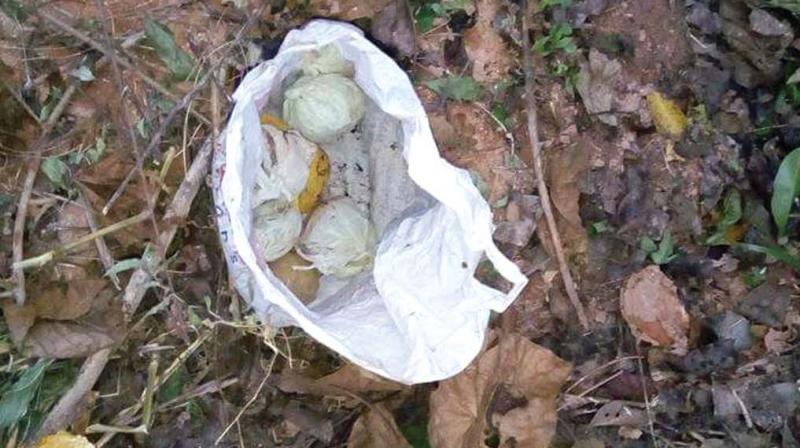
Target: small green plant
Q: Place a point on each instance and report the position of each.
(558, 38)
(428, 11)
(545, 4)
(756, 276)
(731, 214)
(599, 228)
(785, 189)
(459, 88)
(661, 253)
(569, 73)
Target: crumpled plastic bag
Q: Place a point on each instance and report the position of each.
(418, 314)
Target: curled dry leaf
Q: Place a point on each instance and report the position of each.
(484, 47)
(66, 339)
(19, 319)
(667, 116)
(65, 302)
(597, 85)
(355, 379)
(617, 413)
(58, 301)
(565, 169)
(655, 314)
(376, 427)
(394, 26)
(529, 372)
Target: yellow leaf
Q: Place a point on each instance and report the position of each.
(65, 440)
(667, 116)
(317, 177)
(272, 120)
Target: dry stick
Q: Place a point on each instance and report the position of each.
(43, 259)
(18, 237)
(102, 249)
(533, 134)
(63, 412)
(126, 119)
(110, 53)
(154, 142)
(30, 178)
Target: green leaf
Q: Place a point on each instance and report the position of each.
(732, 208)
(785, 189)
(789, 5)
(500, 113)
(172, 387)
(417, 435)
(731, 214)
(648, 245)
(424, 18)
(123, 265)
(755, 277)
(545, 4)
(776, 252)
(14, 10)
(55, 170)
(600, 227)
(459, 88)
(15, 402)
(177, 61)
(664, 254)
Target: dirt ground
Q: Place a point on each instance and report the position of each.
(667, 133)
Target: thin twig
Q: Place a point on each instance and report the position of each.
(544, 196)
(154, 142)
(64, 411)
(646, 396)
(250, 401)
(126, 119)
(33, 169)
(21, 101)
(747, 420)
(18, 238)
(109, 52)
(41, 260)
(102, 249)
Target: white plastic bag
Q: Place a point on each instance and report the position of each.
(419, 314)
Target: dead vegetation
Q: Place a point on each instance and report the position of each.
(638, 157)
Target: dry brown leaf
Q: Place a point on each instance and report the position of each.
(355, 379)
(655, 314)
(103, 326)
(394, 26)
(485, 48)
(597, 85)
(565, 168)
(348, 9)
(69, 301)
(616, 413)
(777, 341)
(19, 319)
(376, 428)
(62, 339)
(459, 405)
(483, 148)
